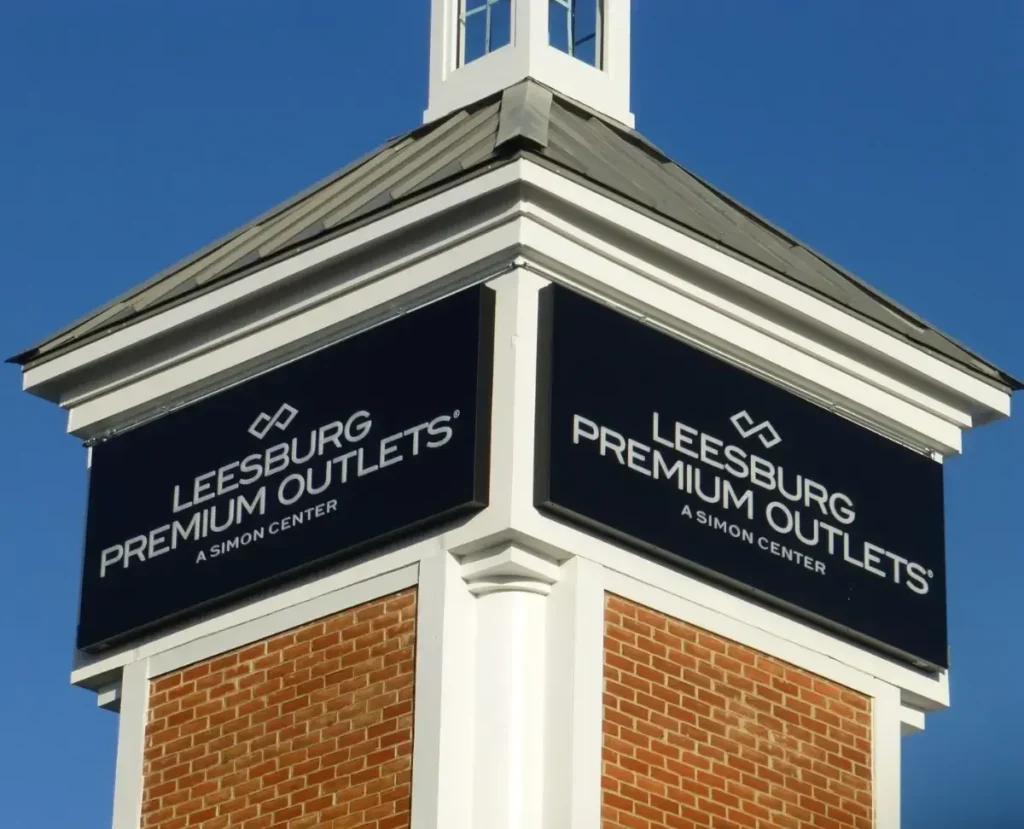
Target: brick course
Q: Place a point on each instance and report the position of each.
(700, 731)
(311, 728)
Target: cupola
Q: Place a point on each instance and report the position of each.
(579, 48)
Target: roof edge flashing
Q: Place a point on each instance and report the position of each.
(525, 116)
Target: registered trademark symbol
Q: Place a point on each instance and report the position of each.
(456, 414)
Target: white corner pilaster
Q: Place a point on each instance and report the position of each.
(508, 691)
(575, 686)
(886, 721)
(513, 402)
(445, 697)
(131, 746)
(511, 586)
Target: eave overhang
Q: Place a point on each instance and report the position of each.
(519, 213)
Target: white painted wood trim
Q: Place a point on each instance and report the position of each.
(269, 277)
(979, 400)
(886, 759)
(287, 618)
(614, 274)
(137, 675)
(594, 88)
(886, 706)
(678, 594)
(109, 696)
(678, 282)
(131, 745)
(816, 311)
(521, 395)
(104, 669)
(468, 84)
(506, 428)
(912, 720)
(344, 282)
(445, 695)
(587, 714)
(753, 347)
(738, 630)
(438, 275)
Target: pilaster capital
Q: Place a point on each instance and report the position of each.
(509, 567)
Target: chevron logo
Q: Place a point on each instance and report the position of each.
(281, 420)
(765, 432)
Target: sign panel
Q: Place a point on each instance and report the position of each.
(668, 448)
(295, 469)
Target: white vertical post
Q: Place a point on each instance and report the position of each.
(575, 683)
(886, 736)
(510, 713)
(444, 698)
(509, 757)
(131, 745)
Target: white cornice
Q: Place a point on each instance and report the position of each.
(48, 378)
(570, 234)
(862, 337)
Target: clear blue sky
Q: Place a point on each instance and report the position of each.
(886, 133)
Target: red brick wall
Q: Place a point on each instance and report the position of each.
(311, 728)
(700, 731)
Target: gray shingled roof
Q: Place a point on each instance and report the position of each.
(525, 120)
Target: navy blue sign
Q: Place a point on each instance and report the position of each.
(668, 448)
(298, 468)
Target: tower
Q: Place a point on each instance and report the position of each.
(514, 477)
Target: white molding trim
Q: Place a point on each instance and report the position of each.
(737, 629)
(109, 696)
(704, 605)
(512, 417)
(445, 698)
(425, 280)
(675, 243)
(886, 758)
(282, 604)
(163, 322)
(137, 675)
(738, 308)
(287, 618)
(506, 568)
(575, 697)
(912, 720)
(131, 746)
(880, 379)
(750, 347)
(886, 708)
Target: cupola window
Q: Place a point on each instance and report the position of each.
(484, 27)
(574, 27)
